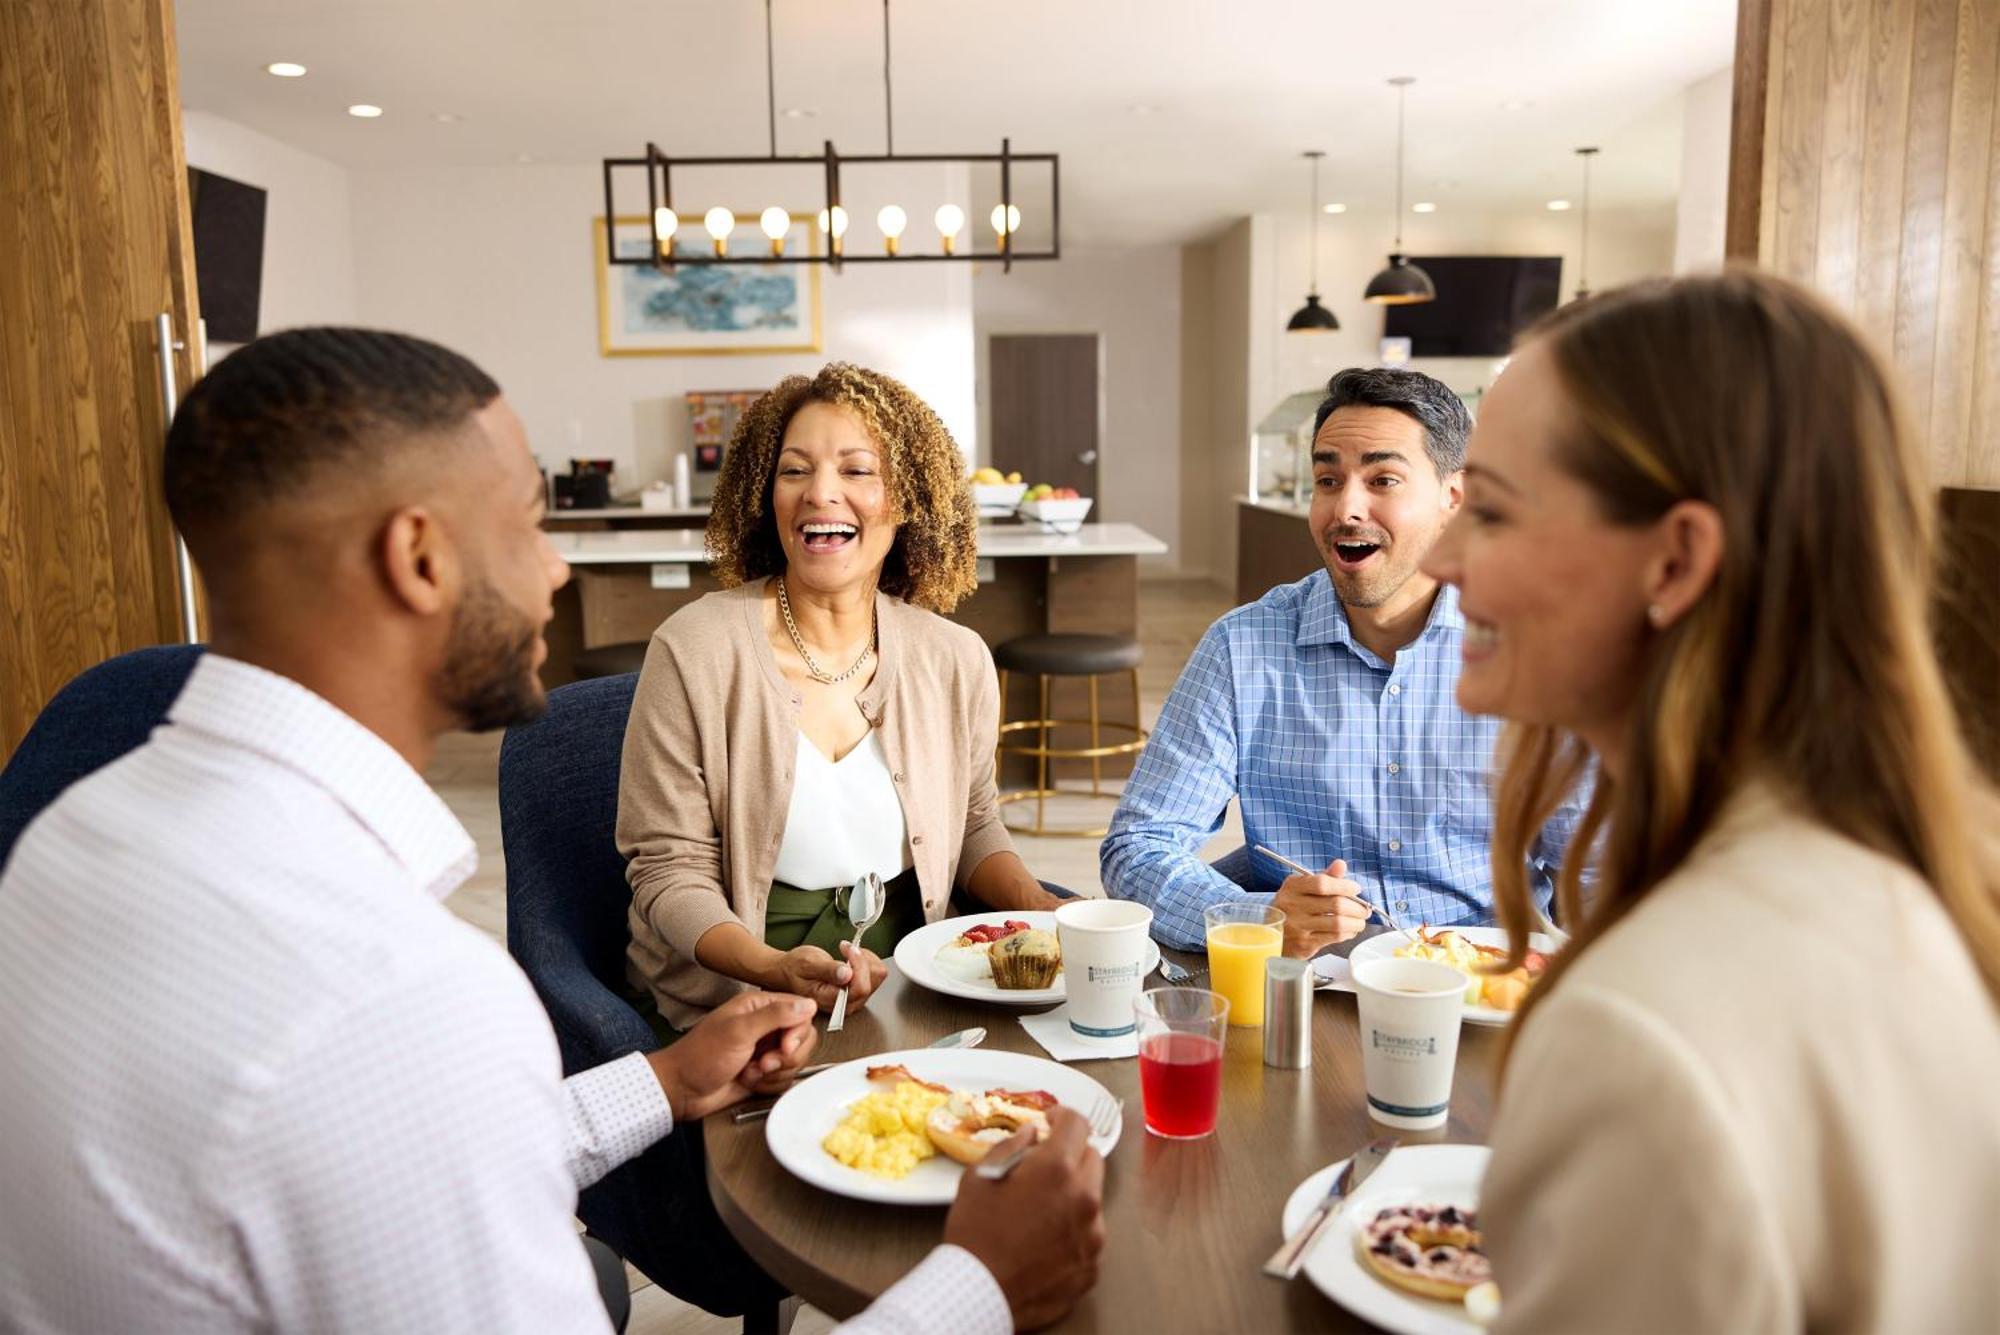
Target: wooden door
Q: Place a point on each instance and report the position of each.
(94, 247)
(1046, 408)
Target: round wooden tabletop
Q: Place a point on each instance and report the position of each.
(1189, 1223)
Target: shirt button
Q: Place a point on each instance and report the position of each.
(1395, 690)
(916, 839)
(1402, 906)
(1394, 768)
(897, 777)
(1395, 845)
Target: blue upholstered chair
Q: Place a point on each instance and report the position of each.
(566, 926)
(101, 714)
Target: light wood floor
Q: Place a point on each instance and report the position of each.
(1172, 616)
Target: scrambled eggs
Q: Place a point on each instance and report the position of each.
(883, 1132)
(1504, 991)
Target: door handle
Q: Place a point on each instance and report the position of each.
(163, 326)
(1087, 458)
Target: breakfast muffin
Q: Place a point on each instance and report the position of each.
(1026, 960)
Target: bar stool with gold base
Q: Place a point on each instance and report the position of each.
(1049, 657)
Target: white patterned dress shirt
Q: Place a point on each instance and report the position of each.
(255, 1076)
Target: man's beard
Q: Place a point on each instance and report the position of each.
(488, 678)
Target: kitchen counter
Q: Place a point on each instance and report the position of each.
(996, 542)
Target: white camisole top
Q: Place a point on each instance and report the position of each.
(845, 819)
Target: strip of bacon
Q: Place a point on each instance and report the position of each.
(1039, 1099)
(896, 1075)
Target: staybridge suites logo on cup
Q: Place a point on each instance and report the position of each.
(1104, 955)
(1400, 1047)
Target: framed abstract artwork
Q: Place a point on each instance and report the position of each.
(704, 310)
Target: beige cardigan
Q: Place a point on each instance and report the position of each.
(1768, 1100)
(707, 776)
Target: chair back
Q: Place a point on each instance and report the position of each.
(567, 897)
(101, 714)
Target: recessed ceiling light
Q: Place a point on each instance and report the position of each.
(1558, 206)
(1516, 105)
(285, 69)
(1333, 208)
(446, 117)
(524, 157)
(799, 113)
(364, 111)
(1424, 207)
(1142, 108)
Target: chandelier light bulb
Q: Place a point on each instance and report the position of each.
(950, 219)
(775, 222)
(665, 223)
(839, 227)
(720, 222)
(1006, 219)
(892, 220)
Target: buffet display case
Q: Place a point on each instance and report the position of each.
(1281, 451)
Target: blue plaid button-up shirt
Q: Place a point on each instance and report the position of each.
(1330, 753)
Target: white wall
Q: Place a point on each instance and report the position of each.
(497, 263)
(1131, 299)
(1702, 211)
(308, 246)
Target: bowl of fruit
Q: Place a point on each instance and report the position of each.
(1056, 509)
(996, 493)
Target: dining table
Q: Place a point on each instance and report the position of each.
(1188, 1223)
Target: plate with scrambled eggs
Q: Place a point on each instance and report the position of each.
(1490, 999)
(862, 1139)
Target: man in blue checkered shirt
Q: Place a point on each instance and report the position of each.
(1326, 709)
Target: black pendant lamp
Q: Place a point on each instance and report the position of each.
(1313, 318)
(1402, 283)
(1583, 259)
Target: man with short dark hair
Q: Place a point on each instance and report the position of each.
(1326, 709)
(253, 1075)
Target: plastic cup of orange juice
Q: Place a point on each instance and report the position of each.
(1241, 936)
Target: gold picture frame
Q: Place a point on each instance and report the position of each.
(708, 310)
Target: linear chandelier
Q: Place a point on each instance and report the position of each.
(776, 220)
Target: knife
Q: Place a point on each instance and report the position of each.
(964, 1038)
(1285, 1262)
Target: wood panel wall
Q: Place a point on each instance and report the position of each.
(94, 243)
(1865, 161)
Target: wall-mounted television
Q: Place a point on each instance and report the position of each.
(1483, 301)
(228, 219)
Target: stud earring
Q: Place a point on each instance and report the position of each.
(1656, 614)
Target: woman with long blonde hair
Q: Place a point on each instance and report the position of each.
(1760, 1090)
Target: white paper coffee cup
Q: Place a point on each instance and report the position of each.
(1410, 1011)
(1104, 962)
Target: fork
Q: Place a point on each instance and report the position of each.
(1105, 1115)
(1377, 909)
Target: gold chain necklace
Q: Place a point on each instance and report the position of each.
(819, 673)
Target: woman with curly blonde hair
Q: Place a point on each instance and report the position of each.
(818, 719)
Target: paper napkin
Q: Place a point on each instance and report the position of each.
(1051, 1030)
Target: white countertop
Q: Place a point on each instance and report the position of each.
(638, 546)
(635, 512)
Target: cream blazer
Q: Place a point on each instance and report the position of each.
(1768, 1100)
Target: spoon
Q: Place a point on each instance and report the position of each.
(964, 1038)
(864, 906)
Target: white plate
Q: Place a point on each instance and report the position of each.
(811, 1108)
(916, 956)
(1413, 1175)
(1384, 947)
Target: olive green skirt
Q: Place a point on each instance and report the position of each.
(795, 917)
